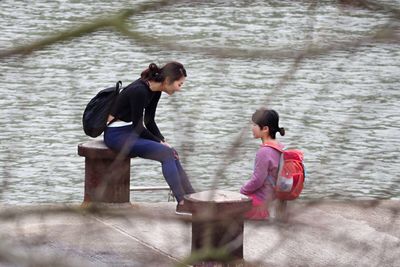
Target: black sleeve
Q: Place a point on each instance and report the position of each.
(138, 98)
(149, 116)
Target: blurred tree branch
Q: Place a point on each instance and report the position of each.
(388, 33)
(371, 5)
(78, 31)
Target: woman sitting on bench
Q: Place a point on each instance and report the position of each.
(134, 132)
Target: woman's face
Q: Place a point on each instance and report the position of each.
(171, 88)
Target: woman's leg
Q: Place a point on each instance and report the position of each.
(132, 145)
(149, 149)
(187, 186)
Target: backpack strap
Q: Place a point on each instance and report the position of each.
(269, 178)
(118, 88)
(280, 165)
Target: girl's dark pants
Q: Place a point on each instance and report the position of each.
(125, 140)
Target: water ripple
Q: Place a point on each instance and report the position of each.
(340, 108)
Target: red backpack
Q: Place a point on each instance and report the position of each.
(291, 173)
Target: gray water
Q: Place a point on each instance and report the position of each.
(341, 108)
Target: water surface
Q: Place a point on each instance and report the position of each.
(341, 108)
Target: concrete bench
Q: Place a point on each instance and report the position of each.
(107, 174)
(218, 223)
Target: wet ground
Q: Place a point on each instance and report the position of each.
(324, 233)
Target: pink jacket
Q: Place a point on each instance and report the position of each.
(265, 169)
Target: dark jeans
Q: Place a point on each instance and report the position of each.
(126, 141)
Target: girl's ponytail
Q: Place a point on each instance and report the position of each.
(281, 131)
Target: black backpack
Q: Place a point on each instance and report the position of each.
(96, 113)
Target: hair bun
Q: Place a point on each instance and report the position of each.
(282, 131)
(153, 67)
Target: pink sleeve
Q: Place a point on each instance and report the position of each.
(260, 173)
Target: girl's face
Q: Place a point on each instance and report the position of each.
(171, 88)
(258, 132)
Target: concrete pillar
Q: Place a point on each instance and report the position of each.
(218, 224)
(107, 174)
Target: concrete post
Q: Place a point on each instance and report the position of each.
(218, 224)
(107, 175)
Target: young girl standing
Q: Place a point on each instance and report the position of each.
(260, 187)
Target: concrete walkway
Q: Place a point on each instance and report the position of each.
(324, 233)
